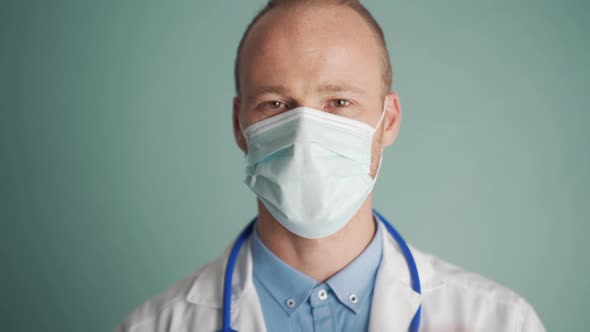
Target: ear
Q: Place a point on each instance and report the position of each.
(239, 137)
(393, 117)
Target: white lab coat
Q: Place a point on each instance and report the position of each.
(452, 300)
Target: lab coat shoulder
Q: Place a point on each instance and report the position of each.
(458, 300)
(175, 309)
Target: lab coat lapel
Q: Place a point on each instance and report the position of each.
(247, 312)
(394, 301)
(245, 306)
(207, 291)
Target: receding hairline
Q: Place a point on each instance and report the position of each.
(353, 4)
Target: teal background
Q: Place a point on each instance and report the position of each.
(119, 174)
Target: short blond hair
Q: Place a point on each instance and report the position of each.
(354, 4)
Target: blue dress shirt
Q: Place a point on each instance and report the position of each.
(291, 301)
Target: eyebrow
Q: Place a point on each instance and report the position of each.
(276, 89)
(331, 88)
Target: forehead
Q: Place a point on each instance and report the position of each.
(297, 45)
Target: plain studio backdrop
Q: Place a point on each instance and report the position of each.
(119, 172)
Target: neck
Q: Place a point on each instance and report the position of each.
(318, 258)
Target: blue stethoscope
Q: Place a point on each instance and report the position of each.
(231, 263)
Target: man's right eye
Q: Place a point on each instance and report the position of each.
(275, 105)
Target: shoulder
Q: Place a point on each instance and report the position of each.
(450, 286)
(173, 308)
(439, 271)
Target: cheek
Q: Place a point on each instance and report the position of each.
(247, 118)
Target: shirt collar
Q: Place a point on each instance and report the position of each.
(353, 284)
(290, 288)
(284, 283)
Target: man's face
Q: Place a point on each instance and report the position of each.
(323, 57)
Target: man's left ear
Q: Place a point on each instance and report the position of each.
(393, 117)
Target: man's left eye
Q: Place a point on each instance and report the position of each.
(340, 103)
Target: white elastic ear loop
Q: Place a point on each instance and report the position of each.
(374, 130)
(381, 117)
(242, 129)
(378, 168)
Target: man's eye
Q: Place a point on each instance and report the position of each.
(275, 105)
(340, 103)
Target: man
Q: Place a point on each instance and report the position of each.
(313, 113)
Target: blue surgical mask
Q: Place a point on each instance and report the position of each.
(310, 168)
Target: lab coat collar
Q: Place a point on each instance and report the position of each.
(394, 301)
(207, 290)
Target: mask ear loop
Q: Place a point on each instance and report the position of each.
(242, 130)
(373, 134)
(381, 117)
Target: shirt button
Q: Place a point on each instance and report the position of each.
(353, 298)
(290, 303)
(322, 294)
